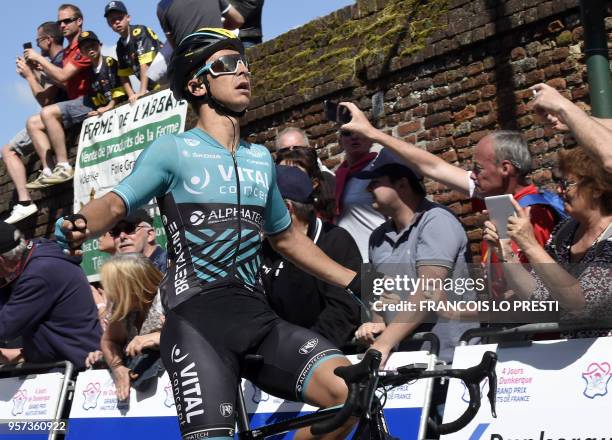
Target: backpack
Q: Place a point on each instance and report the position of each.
(547, 198)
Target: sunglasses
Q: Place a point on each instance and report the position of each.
(225, 65)
(293, 147)
(127, 229)
(564, 184)
(66, 21)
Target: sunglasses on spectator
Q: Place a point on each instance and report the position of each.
(225, 65)
(564, 184)
(293, 147)
(127, 228)
(44, 37)
(66, 21)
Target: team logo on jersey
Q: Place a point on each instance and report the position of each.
(196, 184)
(226, 409)
(192, 142)
(597, 377)
(197, 218)
(309, 346)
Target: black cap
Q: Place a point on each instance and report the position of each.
(385, 164)
(115, 6)
(88, 35)
(140, 215)
(294, 184)
(9, 237)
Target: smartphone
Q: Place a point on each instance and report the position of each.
(27, 45)
(337, 113)
(500, 208)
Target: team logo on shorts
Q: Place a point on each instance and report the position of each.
(308, 346)
(226, 409)
(176, 355)
(597, 377)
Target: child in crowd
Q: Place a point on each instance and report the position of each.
(106, 89)
(137, 47)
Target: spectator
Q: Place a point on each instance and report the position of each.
(354, 203)
(179, 18)
(137, 47)
(76, 77)
(593, 134)
(106, 90)
(135, 233)
(136, 317)
(575, 266)
(292, 138)
(323, 183)
(297, 296)
(106, 244)
(49, 39)
(250, 32)
(421, 239)
(501, 163)
(46, 300)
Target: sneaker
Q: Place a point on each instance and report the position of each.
(21, 212)
(60, 174)
(38, 182)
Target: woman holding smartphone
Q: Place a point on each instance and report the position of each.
(575, 266)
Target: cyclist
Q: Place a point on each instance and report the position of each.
(218, 195)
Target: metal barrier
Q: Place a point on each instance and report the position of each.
(527, 330)
(24, 369)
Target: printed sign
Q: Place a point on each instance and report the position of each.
(550, 390)
(96, 413)
(108, 147)
(403, 408)
(30, 398)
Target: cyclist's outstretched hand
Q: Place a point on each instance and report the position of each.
(359, 122)
(70, 233)
(367, 332)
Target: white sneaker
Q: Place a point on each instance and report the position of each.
(21, 212)
(60, 174)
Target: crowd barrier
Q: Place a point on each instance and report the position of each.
(546, 389)
(33, 399)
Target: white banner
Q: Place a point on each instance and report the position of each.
(95, 397)
(551, 390)
(110, 144)
(34, 397)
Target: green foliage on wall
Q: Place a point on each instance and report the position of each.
(337, 48)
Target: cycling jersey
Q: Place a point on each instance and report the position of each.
(215, 207)
(141, 47)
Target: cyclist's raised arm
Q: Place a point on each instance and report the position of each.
(429, 165)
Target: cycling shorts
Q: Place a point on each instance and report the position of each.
(204, 342)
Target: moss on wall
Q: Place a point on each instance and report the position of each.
(334, 47)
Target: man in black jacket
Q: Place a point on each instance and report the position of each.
(44, 299)
(297, 296)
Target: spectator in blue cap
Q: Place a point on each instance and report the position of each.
(137, 48)
(297, 296)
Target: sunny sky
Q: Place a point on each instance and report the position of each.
(22, 18)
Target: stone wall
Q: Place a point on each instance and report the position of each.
(438, 73)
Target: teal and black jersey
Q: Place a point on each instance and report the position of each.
(215, 206)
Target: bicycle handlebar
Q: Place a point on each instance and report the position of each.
(363, 378)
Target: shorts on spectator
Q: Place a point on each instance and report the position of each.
(75, 111)
(21, 143)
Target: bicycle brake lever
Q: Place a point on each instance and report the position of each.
(492, 376)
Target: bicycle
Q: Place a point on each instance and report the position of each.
(363, 379)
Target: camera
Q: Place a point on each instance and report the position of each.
(337, 113)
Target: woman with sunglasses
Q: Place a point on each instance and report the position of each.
(575, 267)
(218, 197)
(135, 317)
